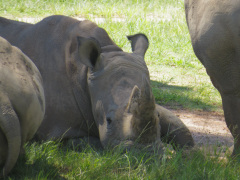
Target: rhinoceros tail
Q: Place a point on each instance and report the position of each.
(10, 126)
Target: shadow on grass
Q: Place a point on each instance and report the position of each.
(40, 169)
(178, 97)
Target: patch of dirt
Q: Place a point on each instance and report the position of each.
(207, 128)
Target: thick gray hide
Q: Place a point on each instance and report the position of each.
(92, 87)
(22, 103)
(214, 31)
(173, 129)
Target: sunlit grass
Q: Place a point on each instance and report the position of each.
(103, 8)
(184, 88)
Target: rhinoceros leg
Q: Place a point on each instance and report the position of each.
(10, 126)
(173, 129)
(231, 107)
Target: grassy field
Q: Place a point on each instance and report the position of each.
(178, 81)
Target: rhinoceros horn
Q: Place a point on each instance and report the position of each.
(142, 106)
(141, 102)
(134, 100)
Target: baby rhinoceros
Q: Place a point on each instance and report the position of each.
(92, 87)
(22, 103)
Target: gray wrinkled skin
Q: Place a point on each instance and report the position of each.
(92, 87)
(214, 31)
(22, 103)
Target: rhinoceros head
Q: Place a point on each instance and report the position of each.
(122, 101)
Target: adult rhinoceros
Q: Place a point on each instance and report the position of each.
(92, 87)
(22, 103)
(214, 30)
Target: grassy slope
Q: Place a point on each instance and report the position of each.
(178, 80)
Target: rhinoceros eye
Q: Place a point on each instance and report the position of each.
(109, 121)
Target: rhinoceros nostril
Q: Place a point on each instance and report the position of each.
(109, 121)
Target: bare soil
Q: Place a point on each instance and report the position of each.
(208, 128)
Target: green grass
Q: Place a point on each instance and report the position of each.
(178, 80)
(53, 160)
(103, 8)
(184, 88)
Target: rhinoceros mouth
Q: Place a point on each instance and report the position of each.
(128, 143)
(121, 143)
(154, 147)
(134, 143)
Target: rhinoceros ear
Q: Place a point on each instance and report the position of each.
(88, 51)
(139, 43)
